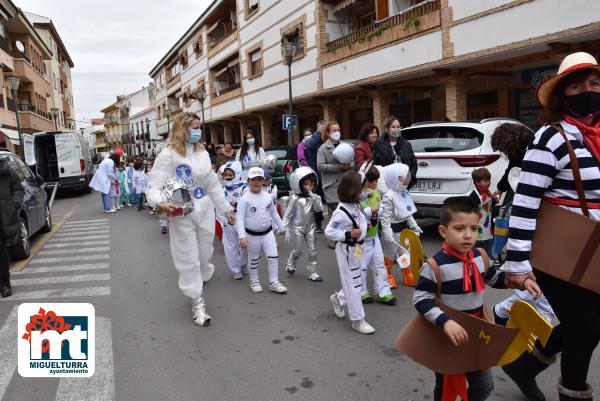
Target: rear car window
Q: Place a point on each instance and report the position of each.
(279, 153)
(443, 139)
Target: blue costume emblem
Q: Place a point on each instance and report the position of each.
(184, 174)
(198, 193)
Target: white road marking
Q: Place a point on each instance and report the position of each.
(8, 351)
(36, 261)
(70, 243)
(60, 279)
(86, 221)
(58, 293)
(53, 269)
(66, 238)
(82, 235)
(70, 251)
(101, 386)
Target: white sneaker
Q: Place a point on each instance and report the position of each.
(338, 309)
(255, 286)
(363, 327)
(277, 287)
(237, 276)
(110, 211)
(119, 207)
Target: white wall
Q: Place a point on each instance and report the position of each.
(529, 20)
(465, 8)
(420, 50)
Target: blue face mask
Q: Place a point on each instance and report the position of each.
(195, 135)
(250, 141)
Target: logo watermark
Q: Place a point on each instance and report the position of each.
(56, 340)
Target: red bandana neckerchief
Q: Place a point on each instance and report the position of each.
(484, 192)
(591, 134)
(469, 266)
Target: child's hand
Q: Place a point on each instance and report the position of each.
(355, 233)
(243, 243)
(456, 333)
(532, 287)
(374, 210)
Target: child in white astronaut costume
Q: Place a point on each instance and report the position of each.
(256, 214)
(299, 220)
(235, 257)
(269, 187)
(397, 208)
(348, 228)
(191, 236)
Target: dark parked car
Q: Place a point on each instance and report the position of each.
(287, 161)
(34, 214)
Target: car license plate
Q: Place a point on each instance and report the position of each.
(428, 186)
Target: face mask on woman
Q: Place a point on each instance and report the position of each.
(306, 138)
(335, 135)
(395, 132)
(585, 104)
(250, 141)
(195, 135)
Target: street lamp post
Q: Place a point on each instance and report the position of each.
(147, 136)
(201, 96)
(288, 50)
(54, 111)
(13, 84)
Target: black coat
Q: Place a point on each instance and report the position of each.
(383, 155)
(11, 198)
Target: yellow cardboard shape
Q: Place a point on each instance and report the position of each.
(410, 241)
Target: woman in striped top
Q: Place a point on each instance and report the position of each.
(571, 99)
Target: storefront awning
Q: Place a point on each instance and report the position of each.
(11, 134)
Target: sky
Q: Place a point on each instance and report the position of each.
(114, 43)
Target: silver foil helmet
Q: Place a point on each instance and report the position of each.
(270, 163)
(178, 194)
(298, 175)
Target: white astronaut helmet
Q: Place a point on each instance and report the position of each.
(396, 176)
(344, 153)
(299, 175)
(270, 163)
(234, 166)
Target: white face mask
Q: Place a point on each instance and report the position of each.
(335, 136)
(395, 132)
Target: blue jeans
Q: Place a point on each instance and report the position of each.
(106, 202)
(140, 201)
(133, 198)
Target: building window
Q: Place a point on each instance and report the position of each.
(183, 58)
(173, 71)
(226, 77)
(251, 7)
(294, 32)
(197, 45)
(255, 62)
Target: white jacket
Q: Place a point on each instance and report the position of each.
(196, 171)
(104, 176)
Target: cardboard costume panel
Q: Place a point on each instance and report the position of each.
(411, 242)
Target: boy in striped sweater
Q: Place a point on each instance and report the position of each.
(464, 271)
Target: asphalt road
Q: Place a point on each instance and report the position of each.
(258, 347)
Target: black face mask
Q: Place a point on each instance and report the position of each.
(582, 105)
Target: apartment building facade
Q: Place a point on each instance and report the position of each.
(59, 72)
(358, 61)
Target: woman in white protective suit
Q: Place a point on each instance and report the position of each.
(186, 160)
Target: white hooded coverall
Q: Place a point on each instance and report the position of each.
(191, 236)
(235, 257)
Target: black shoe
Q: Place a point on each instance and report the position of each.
(5, 290)
(163, 230)
(524, 370)
(565, 394)
(319, 230)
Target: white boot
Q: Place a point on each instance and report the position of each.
(200, 316)
(362, 327)
(290, 266)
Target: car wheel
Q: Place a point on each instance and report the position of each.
(22, 248)
(48, 225)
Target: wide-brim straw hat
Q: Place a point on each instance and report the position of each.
(571, 63)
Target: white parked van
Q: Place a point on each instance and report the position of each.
(60, 157)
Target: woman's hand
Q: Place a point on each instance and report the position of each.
(166, 208)
(243, 243)
(230, 218)
(345, 167)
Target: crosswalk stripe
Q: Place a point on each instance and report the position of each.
(60, 279)
(8, 351)
(86, 221)
(58, 293)
(76, 243)
(37, 261)
(71, 251)
(94, 235)
(56, 269)
(70, 238)
(82, 229)
(90, 230)
(101, 386)
(98, 224)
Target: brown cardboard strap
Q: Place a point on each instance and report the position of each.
(438, 276)
(486, 259)
(575, 169)
(586, 256)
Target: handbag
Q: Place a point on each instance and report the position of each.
(566, 244)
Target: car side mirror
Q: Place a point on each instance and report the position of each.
(39, 179)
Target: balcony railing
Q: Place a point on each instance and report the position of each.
(227, 90)
(408, 17)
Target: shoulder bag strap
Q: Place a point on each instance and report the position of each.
(438, 276)
(576, 172)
